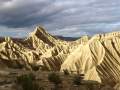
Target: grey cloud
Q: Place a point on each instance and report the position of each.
(22, 13)
(63, 16)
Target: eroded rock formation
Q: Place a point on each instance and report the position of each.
(97, 57)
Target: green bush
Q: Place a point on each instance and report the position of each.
(77, 80)
(27, 82)
(54, 78)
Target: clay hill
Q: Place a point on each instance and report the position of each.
(98, 57)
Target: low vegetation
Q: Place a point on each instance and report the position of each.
(54, 78)
(27, 82)
(66, 72)
(30, 82)
(77, 79)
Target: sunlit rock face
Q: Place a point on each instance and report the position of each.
(97, 57)
(39, 48)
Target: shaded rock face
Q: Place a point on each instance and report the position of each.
(97, 57)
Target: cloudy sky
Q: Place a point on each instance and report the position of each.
(60, 17)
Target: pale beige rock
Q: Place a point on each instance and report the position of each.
(117, 86)
(40, 47)
(97, 57)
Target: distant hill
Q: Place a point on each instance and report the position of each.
(68, 38)
(60, 37)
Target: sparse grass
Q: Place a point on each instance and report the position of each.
(57, 81)
(54, 78)
(27, 82)
(77, 80)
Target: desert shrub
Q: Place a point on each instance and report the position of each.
(66, 72)
(54, 78)
(77, 79)
(35, 67)
(27, 82)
